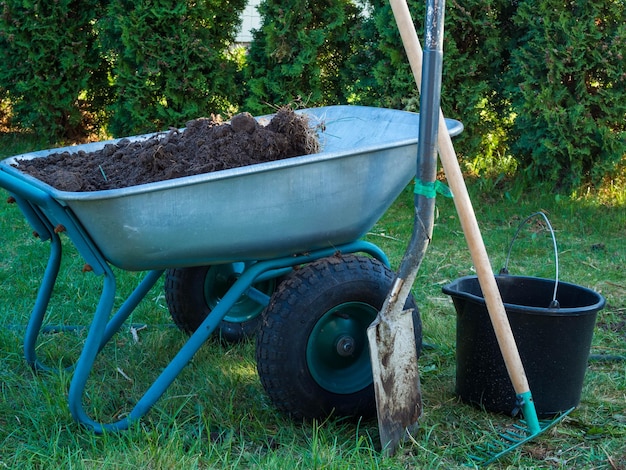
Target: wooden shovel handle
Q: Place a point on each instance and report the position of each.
(465, 210)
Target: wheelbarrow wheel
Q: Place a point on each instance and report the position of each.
(312, 349)
(191, 294)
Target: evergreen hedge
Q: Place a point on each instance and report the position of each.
(299, 54)
(475, 32)
(539, 81)
(172, 61)
(567, 86)
(134, 66)
(51, 66)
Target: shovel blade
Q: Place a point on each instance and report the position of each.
(396, 379)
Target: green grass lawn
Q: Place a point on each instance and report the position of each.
(216, 414)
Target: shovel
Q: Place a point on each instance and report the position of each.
(532, 427)
(391, 338)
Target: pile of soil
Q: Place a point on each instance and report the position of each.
(204, 146)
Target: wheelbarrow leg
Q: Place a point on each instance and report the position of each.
(35, 322)
(92, 346)
(130, 304)
(41, 304)
(97, 334)
(100, 332)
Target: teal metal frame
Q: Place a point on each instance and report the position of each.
(49, 218)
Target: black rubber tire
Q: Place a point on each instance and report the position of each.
(287, 341)
(191, 294)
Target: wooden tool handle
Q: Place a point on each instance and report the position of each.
(466, 213)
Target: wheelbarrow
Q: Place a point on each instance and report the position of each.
(250, 226)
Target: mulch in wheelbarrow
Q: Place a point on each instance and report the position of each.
(204, 146)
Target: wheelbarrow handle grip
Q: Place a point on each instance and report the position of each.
(464, 207)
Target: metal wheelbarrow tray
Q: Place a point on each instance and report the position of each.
(254, 212)
(272, 216)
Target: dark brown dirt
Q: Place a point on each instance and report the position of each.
(206, 145)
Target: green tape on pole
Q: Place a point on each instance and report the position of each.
(443, 189)
(426, 189)
(431, 189)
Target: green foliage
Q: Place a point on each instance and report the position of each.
(475, 32)
(566, 83)
(217, 415)
(384, 77)
(539, 85)
(299, 52)
(51, 66)
(171, 61)
(5, 109)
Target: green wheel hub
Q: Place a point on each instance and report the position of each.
(219, 280)
(337, 351)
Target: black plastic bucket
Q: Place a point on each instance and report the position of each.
(553, 343)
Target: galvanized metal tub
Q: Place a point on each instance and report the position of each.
(259, 211)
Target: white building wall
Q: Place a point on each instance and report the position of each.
(250, 19)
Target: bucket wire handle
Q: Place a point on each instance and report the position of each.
(504, 270)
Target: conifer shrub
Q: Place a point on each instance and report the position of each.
(476, 34)
(567, 87)
(172, 61)
(538, 84)
(51, 66)
(299, 54)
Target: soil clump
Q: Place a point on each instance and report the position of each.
(205, 145)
